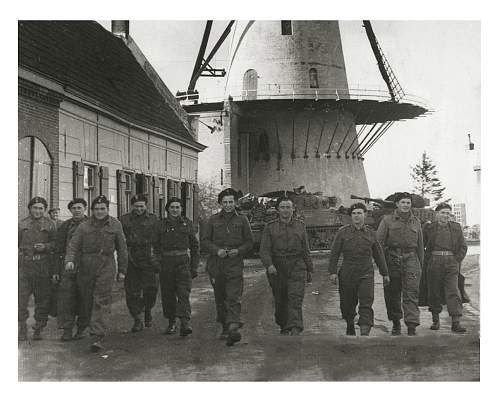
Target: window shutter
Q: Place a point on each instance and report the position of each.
(104, 181)
(156, 195)
(78, 171)
(122, 197)
(196, 210)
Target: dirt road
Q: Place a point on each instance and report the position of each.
(322, 353)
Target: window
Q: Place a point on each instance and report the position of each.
(89, 184)
(128, 192)
(313, 78)
(249, 91)
(286, 28)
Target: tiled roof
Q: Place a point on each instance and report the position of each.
(87, 59)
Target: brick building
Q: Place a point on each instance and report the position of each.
(94, 118)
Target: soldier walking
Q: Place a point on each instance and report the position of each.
(36, 239)
(227, 237)
(141, 281)
(358, 244)
(445, 249)
(177, 250)
(94, 243)
(400, 234)
(284, 250)
(67, 300)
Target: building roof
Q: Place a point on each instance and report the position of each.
(87, 59)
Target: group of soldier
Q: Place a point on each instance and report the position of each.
(83, 256)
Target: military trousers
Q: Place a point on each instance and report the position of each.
(442, 276)
(95, 279)
(404, 271)
(356, 285)
(175, 284)
(67, 301)
(226, 277)
(288, 291)
(141, 289)
(34, 279)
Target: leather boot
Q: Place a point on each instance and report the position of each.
(365, 329)
(97, 346)
(225, 332)
(234, 334)
(412, 329)
(22, 332)
(456, 326)
(295, 331)
(67, 335)
(148, 318)
(396, 327)
(350, 330)
(186, 328)
(37, 330)
(172, 328)
(435, 322)
(138, 325)
(80, 333)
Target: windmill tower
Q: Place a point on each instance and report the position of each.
(288, 115)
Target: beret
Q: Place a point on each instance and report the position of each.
(77, 201)
(38, 200)
(356, 206)
(100, 200)
(228, 192)
(441, 206)
(173, 200)
(139, 197)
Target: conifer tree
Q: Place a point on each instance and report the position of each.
(426, 182)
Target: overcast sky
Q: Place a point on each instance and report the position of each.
(436, 60)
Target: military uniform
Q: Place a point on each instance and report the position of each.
(177, 251)
(35, 268)
(141, 281)
(445, 249)
(67, 300)
(227, 231)
(94, 243)
(356, 275)
(286, 246)
(402, 241)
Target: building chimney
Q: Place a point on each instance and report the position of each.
(120, 28)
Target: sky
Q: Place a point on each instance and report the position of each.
(439, 61)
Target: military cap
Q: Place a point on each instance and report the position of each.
(54, 209)
(172, 200)
(356, 206)
(441, 206)
(283, 198)
(38, 200)
(402, 195)
(139, 197)
(228, 192)
(100, 200)
(77, 200)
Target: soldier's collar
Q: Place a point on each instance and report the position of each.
(362, 228)
(222, 213)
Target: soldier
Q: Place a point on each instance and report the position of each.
(227, 238)
(36, 237)
(284, 250)
(178, 252)
(141, 281)
(445, 249)
(400, 234)
(67, 304)
(358, 244)
(54, 216)
(94, 243)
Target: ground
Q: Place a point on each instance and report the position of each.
(321, 353)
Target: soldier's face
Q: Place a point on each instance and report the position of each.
(404, 205)
(78, 210)
(100, 211)
(175, 209)
(37, 210)
(358, 216)
(140, 207)
(443, 215)
(285, 209)
(228, 203)
(54, 215)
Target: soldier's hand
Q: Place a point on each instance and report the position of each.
(222, 253)
(309, 277)
(234, 252)
(69, 267)
(120, 276)
(272, 270)
(55, 278)
(333, 278)
(39, 247)
(386, 280)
